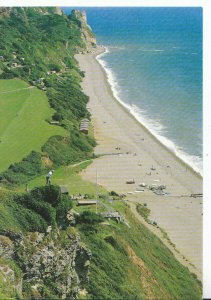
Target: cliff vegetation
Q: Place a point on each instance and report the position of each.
(50, 247)
(38, 46)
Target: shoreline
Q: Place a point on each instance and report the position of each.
(138, 150)
(154, 135)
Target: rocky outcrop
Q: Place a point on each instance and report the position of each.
(86, 31)
(56, 260)
(5, 11)
(10, 274)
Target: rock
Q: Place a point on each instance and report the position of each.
(63, 260)
(49, 229)
(5, 11)
(86, 31)
(6, 247)
(71, 215)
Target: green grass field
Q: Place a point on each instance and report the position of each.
(70, 178)
(23, 128)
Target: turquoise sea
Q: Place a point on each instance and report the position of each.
(153, 62)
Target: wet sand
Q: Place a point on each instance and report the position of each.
(132, 153)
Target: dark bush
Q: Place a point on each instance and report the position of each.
(60, 150)
(57, 117)
(115, 244)
(89, 217)
(49, 193)
(113, 193)
(32, 221)
(88, 229)
(44, 209)
(64, 206)
(54, 67)
(20, 172)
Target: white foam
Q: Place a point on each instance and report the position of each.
(151, 50)
(154, 127)
(117, 47)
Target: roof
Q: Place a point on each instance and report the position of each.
(63, 189)
(54, 122)
(86, 202)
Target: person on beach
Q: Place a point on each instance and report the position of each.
(48, 177)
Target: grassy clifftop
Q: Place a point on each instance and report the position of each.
(37, 46)
(23, 128)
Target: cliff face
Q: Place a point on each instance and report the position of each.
(5, 11)
(55, 261)
(86, 30)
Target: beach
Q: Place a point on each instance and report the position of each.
(129, 152)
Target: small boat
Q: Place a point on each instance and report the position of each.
(130, 181)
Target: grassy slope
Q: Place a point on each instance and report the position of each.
(127, 262)
(23, 127)
(132, 263)
(69, 177)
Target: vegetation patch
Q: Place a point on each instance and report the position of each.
(69, 176)
(39, 49)
(33, 211)
(132, 263)
(23, 117)
(143, 210)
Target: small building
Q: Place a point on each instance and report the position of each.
(86, 202)
(39, 80)
(85, 120)
(54, 122)
(84, 126)
(84, 130)
(112, 215)
(64, 190)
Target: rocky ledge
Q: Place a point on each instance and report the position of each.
(56, 261)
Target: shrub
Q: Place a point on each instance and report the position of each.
(57, 117)
(17, 212)
(49, 193)
(113, 193)
(62, 209)
(45, 201)
(20, 172)
(89, 217)
(143, 211)
(43, 209)
(54, 67)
